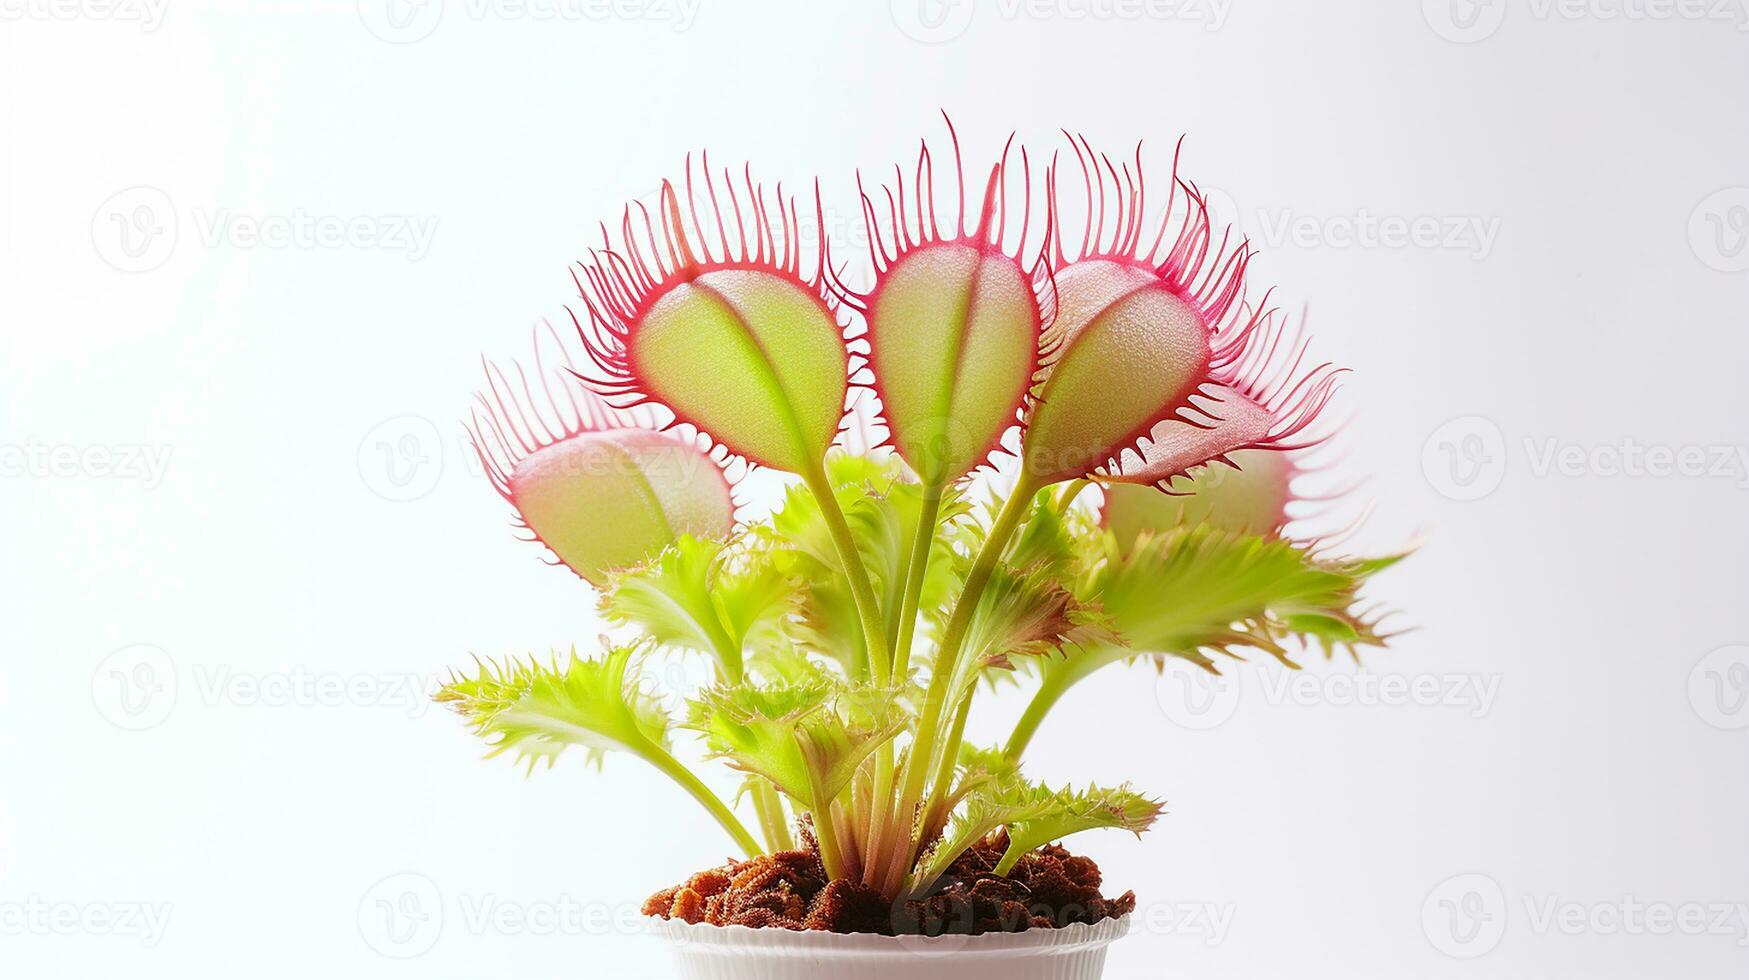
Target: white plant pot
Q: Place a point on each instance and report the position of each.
(706, 952)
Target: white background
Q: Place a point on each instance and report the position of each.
(319, 521)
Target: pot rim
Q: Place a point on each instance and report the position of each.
(1078, 934)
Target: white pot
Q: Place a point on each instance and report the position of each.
(706, 952)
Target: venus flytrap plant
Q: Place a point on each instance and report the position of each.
(851, 631)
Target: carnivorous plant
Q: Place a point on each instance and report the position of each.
(1088, 436)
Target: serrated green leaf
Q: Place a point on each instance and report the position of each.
(1034, 816)
(670, 599)
(1198, 589)
(537, 709)
(791, 734)
(1054, 816)
(1027, 614)
(708, 595)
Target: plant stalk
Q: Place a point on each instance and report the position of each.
(868, 609)
(873, 630)
(916, 566)
(942, 788)
(922, 544)
(1041, 702)
(1010, 858)
(771, 821)
(946, 667)
(826, 833)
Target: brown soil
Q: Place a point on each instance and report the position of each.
(1048, 889)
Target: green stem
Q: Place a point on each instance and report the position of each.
(831, 856)
(1028, 724)
(881, 809)
(771, 821)
(946, 666)
(916, 568)
(874, 634)
(868, 609)
(942, 788)
(654, 755)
